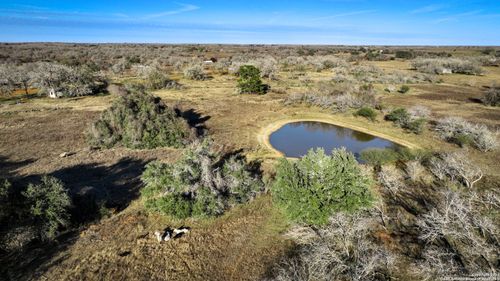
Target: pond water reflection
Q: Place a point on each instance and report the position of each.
(295, 139)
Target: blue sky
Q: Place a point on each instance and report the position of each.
(351, 22)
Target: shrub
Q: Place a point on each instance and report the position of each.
(336, 96)
(139, 120)
(346, 101)
(316, 186)
(378, 157)
(404, 89)
(372, 74)
(492, 97)
(5, 186)
(48, 205)
(419, 111)
(456, 166)
(455, 229)
(7, 85)
(457, 237)
(416, 126)
(457, 130)
(14, 77)
(343, 250)
(367, 112)
(448, 65)
(195, 72)
(156, 80)
(406, 154)
(399, 116)
(249, 81)
(201, 184)
(461, 139)
(120, 66)
(69, 81)
(405, 120)
(268, 67)
(404, 54)
(364, 97)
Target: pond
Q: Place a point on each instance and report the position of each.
(295, 139)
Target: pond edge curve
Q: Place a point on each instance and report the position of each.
(266, 132)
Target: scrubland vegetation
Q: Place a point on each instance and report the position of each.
(492, 96)
(46, 77)
(35, 212)
(202, 183)
(367, 112)
(447, 66)
(417, 204)
(463, 133)
(195, 72)
(139, 120)
(159, 133)
(413, 120)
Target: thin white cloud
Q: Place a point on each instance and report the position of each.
(184, 8)
(353, 13)
(447, 19)
(120, 15)
(32, 7)
(457, 17)
(427, 9)
(470, 13)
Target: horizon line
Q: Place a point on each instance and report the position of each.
(240, 44)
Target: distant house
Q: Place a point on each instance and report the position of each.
(446, 71)
(55, 95)
(210, 61)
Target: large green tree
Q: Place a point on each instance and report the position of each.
(311, 189)
(249, 80)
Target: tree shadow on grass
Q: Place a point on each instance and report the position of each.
(195, 120)
(117, 184)
(91, 186)
(8, 168)
(19, 98)
(289, 256)
(475, 100)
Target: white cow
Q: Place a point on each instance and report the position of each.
(169, 234)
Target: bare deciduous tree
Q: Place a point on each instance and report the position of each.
(455, 128)
(414, 170)
(70, 81)
(343, 250)
(456, 166)
(419, 111)
(7, 85)
(456, 232)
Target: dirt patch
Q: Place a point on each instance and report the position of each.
(45, 133)
(448, 92)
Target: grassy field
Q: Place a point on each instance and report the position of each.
(245, 242)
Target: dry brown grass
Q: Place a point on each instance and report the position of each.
(238, 246)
